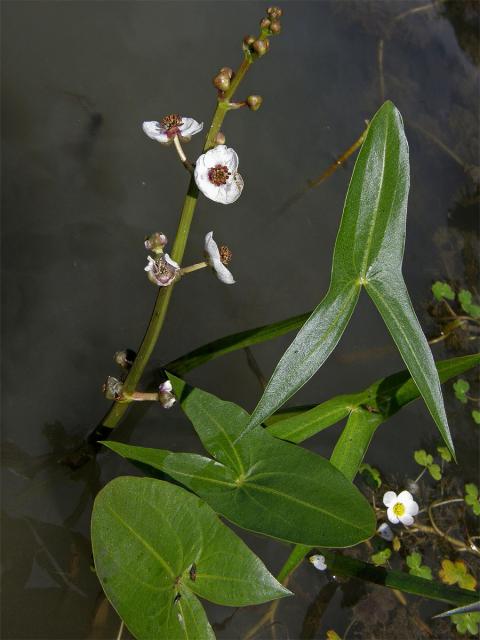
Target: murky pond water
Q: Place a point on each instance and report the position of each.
(82, 186)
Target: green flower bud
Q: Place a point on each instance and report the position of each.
(221, 81)
(254, 102)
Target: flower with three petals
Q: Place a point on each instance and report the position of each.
(400, 508)
(218, 258)
(171, 126)
(216, 175)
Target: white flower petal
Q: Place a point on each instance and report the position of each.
(412, 508)
(165, 387)
(406, 519)
(190, 127)
(151, 263)
(170, 261)
(405, 497)
(391, 515)
(211, 248)
(389, 498)
(232, 161)
(223, 274)
(155, 131)
(318, 562)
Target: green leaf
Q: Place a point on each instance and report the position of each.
(386, 396)
(442, 290)
(467, 622)
(381, 557)
(422, 458)
(476, 416)
(435, 471)
(157, 547)
(471, 498)
(444, 453)
(369, 252)
(342, 565)
(457, 573)
(371, 475)
(465, 299)
(414, 562)
(259, 482)
(461, 387)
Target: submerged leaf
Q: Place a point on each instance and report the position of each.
(442, 290)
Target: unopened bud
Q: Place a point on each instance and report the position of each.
(220, 138)
(228, 71)
(261, 47)
(248, 40)
(125, 358)
(265, 24)
(275, 26)
(274, 13)
(221, 81)
(112, 388)
(254, 102)
(155, 242)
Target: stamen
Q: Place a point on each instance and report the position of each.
(398, 509)
(172, 124)
(225, 255)
(219, 175)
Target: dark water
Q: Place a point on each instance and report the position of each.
(82, 186)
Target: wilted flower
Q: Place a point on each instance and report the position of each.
(165, 395)
(385, 532)
(218, 258)
(216, 175)
(318, 562)
(156, 242)
(171, 126)
(400, 508)
(112, 388)
(162, 270)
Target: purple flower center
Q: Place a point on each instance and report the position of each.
(219, 175)
(172, 124)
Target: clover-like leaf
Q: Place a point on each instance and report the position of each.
(465, 299)
(444, 453)
(422, 458)
(157, 547)
(381, 558)
(435, 471)
(471, 497)
(416, 568)
(457, 573)
(443, 291)
(467, 622)
(461, 387)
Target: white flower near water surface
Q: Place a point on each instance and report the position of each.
(162, 270)
(400, 508)
(171, 126)
(216, 175)
(318, 562)
(218, 258)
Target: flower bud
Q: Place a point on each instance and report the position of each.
(112, 388)
(220, 138)
(265, 24)
(221, 81)
(248, 40)
(274, 13)
(227, 71)
(275, 26)
(261, 47)
(254, 102)
(155, 242)
(125, 358)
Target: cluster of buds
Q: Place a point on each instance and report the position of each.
(222, 80)
(256, 46)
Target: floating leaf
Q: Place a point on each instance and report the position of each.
(461, 387)
(471, 498)
(259, 482)
(465, 299)
(157, 547)
(444, 453)
(457, 573)
(416, 568)
(476, 416)
(422, 458)
(368, 252)
(381, 557)
(435, 471)
(467, 622)
(442, 290)
(371, 475)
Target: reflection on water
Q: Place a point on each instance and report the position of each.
(82, 187)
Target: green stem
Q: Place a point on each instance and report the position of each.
(117, 410)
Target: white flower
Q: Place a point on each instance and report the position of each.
(385, 532)
(171, 126)
(400, 508)
(216, 175)
(218, 258)
(162, 270)
(165, 395)
(318, 562)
